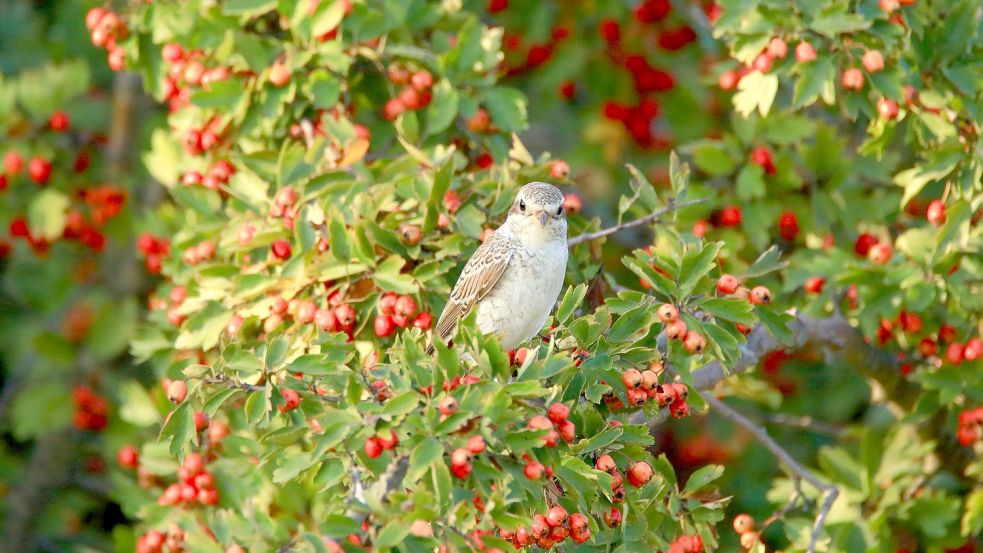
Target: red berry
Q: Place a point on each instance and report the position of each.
(804, 52)
(59, 121)
(384, 326)
(373, 447)
(291, 400)
(39, 170)
(421, 80)
(743, 523)
(814, 285)
(447, 406)
(728, 80)
(730, 216)
(639, 474)
(280, 249)
(667, 312)
(788, 226)
(852, 79)
(863, 244)
(760, 295)
(694, 343)
(954, 353)
(777, 48)
(13, 163)
(936, 213)
(279, 75)
(612, 518)
(93, 17)
(476, 444)
(325, 320)
(423, 321)
(727, 284)
(605, 463)
(873, 61)
(973, 349)
(676, 330)
(392, 109)
(762, 63)
(559, 169)
(556, 516)
(346, 316)
(572, 203)
(534, 470)
(610, 31)
(128, 457)
(558, 413)
(177, 391)
(406, 306)
(887, 108)
(880, 253)
(761, 157)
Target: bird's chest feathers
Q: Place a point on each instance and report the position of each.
(523, 298)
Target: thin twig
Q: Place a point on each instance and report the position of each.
(805, 423)
(829, 492)
(672, 206)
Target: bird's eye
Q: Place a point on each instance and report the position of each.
(559, 211)
(522, 205)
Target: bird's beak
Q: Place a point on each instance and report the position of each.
(543, 216)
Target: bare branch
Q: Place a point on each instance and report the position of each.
(804, 423)
(672, 206)
(829, 491)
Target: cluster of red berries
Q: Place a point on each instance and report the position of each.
(744, 526)
(197, 141)
(194, 485)
(219, 173)
(638, 474)
(154, 250)
(644, 385)
(416, 92)
(519, 60)
(186, 70)
(911, 324)
(155, 541)
(550, 529)
(91, 409)
(375, 444)
(171, 304)
(557, 423)
(869, 246)
(675, 329)
(200, 252)
(38, 169)
(462, 458)
(399, 311)
(686, 544)
(106, 28)
(970, 426)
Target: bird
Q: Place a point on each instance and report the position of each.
(514, 278)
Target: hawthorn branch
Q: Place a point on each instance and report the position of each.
(828, 491)
(651, 217)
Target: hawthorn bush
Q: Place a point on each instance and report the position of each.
(795, 231)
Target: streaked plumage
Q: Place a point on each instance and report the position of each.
(515, 277)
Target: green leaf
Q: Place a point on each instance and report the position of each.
(324, 88)
(571, 300)
(696, 265)
(736, 311)
(642, 188)
(46, 214)
(702, 477)
(223, 94)
(389, 276)
(833, 24)
(507, 107)
(392, 534)
(424, 455)
(816, 78)
(712, 157)
(340, 247)
(401, 404)
(767, 262)
(750, 182)
(256, 407)
(442, 109)
(755, 92)
(632, 325)
(602, 439)
(248, 7)
(327, 17)
(678, 174)
(136, 405)
(776, 323)
(179, 429)
(972, 522)
(330, 473)
(111, 331)
(288, 467)
(842, 468)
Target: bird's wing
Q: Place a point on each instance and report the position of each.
(479, 276)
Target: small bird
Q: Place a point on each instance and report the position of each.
(515, 277)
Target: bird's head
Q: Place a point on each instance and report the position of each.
(537, 213)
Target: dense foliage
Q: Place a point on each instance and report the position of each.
(801, 204)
